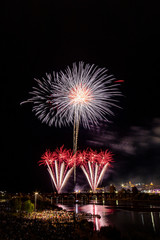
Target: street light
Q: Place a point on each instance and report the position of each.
(35, 200)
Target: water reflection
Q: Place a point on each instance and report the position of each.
(97, 210)
(153, 223)
(146, 223)
(142, 218)
(76, 206)
(94, 209)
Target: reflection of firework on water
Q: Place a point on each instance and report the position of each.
(94, 165)
(59, 165)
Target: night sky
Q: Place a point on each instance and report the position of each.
(45, 36)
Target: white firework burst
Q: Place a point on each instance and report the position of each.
(83, 94)
(42, 98)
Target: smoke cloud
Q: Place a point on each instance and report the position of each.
(137, 150)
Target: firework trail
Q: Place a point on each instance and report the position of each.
(82, 94)
(94, 165)
(59, 165)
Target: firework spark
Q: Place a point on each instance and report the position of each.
(59, 165)
(94, 165)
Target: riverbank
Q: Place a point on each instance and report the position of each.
(16, 227)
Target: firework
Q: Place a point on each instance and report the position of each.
(82, 94)
(43, 100)
(94, 165)
(59, 165)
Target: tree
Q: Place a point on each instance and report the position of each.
(134, 191)
(28, 206)
(16, 204)
(112, 191)
(122, 193)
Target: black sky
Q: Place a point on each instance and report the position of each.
(42, 36)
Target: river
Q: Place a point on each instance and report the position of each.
(137, 224)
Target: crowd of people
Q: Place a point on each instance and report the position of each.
(55, 216)
(17, 227)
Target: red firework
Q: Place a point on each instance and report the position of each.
(94, 165)
(82, 158)
(105, 157)
(62, 154)
(59, 165)
(47, 157)
(92, 156)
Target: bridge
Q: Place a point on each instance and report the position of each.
(79, 197)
